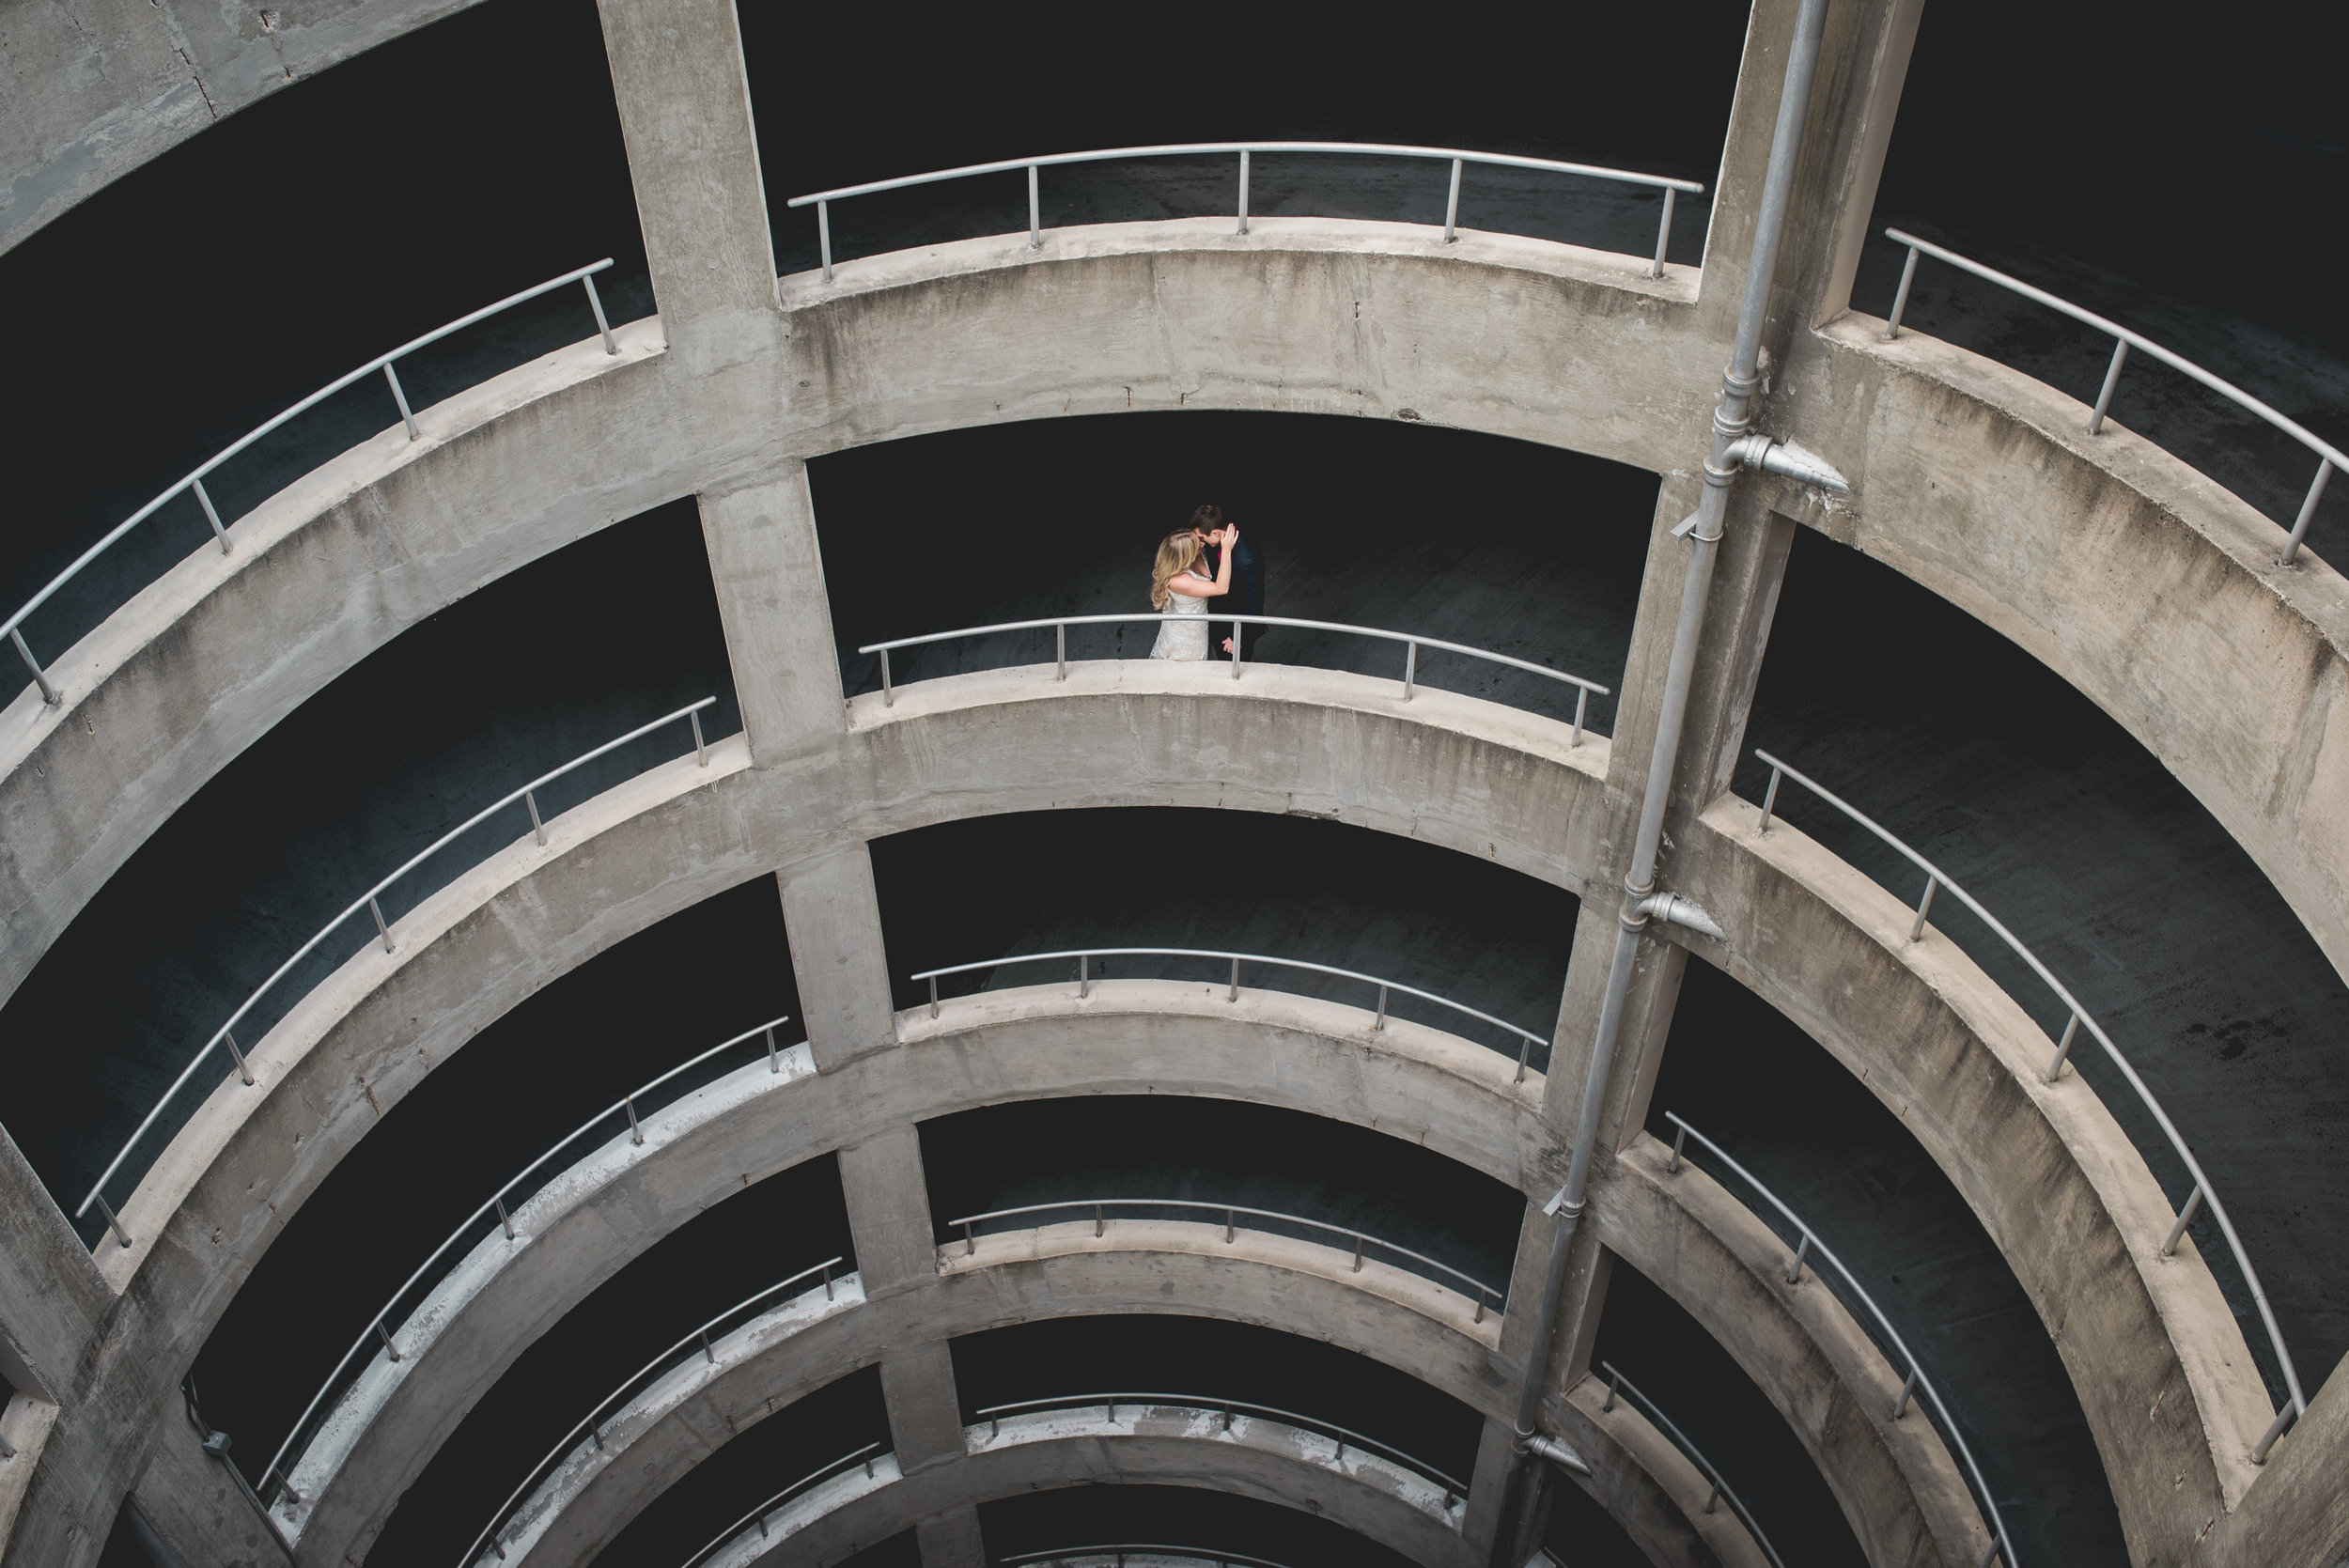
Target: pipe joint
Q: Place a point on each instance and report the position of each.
(1673, 910)
(1788, 461)
(1554, 1449)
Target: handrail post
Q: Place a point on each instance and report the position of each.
(1525, 1052)
(1230, 1226)
(1084, 975)
(1924, 906)
(112, 1223)
(701, 748)
(2112, 379)
(1663, 233)
(1233, 995)
(1769, 800)
(1060, 641)
(1358, 1251)
(1243, 192)
(536, 826)
(2063, 1048)
(933, 995)
(204, 499)
(400, 396)
(1410, 667)
(41, 676)
(635, 1128)
(1900, 300)
(827, 1296)
(1582, 706)
(970, 1239)
(1614, 1381)
(2186, 1216)
(889, 698)
(1378, 1024)
(1988, 1552)
(775, 1058)
(1235, 648)
(2284, 1417)
(1451, 206)
(1036, 213)
(385, 931)
(503, 1219)
(1803, 1249)
(1908, 1387)
(238, 1057)
(1100, 1224)
(2307, 510)
(385, 1335)
(823, 235)
(595, 302)
(1680, 1139)
(1483, 1295)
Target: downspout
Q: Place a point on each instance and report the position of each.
(1730, 450)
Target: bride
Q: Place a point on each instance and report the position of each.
(1178, 587)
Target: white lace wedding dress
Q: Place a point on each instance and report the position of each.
(1186, 639)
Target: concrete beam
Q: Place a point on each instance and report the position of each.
(188, 1500)
(97, 88)
(952, 1540)
(53, 1303)
(1900, 1490)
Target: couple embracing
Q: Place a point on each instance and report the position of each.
(1204, 570)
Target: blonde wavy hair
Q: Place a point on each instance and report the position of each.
(1176, 553)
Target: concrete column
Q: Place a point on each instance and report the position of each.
(832, 918)
(925, 1410)
(685, 113)
(193, 1508)
(52, 1300)
(952, 1541)
(889, 1210)
(770, 578)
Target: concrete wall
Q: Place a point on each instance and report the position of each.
(97, 88)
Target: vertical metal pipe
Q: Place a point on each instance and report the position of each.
(1060, 644)
(400, 396)
(1484, 1299)
(1680, 1140)
(701, 748)
(1036, 213)
(204, 499)
(2063, 1049)
(1234, 995)
(1769, 800)
(1084, 977)
(1900, 1405)
(238, 1057)
(505, 1219)
(823, 235)
(1100, 1224)
(2112, 379)
(1663, 233)
(1614, 1381)
(889, 698)
(1712, 1497)
(1236, 650)
(1802, 1250)
(41, 677)
(1900, 298)
(1410, 668)
(1230, 1226)
(1451, 206)
(1924, 906)
(774, 1057)
(2284, 1417)
(635, 1128)
(969, 1240)
(1730, 421)
(1525, 1050)
(385, 931)
(2299, 526)
(933, 995)
(536, 826)
(707, 1350)
(2186, 1216)
(1378, 1024)
(1243, 192)
(1582, 706)
(112, 1223)
(1988, 1552)
(1358, 1251)
(385, 1335)
(595, 302)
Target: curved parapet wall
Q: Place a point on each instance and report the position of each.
(1516, 337)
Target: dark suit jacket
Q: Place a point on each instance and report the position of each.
(1246, 597)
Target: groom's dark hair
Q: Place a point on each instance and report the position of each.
(1209, 517)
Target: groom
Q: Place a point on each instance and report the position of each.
(1247, 595)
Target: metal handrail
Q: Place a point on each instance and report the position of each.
(1918, 1382)
(2329, 456)
(1119, 1549)
(1670, 187)
(1100, 1206)
(500, 1203)
(1411, 662)
(526, 795)
(1618, 1383)
(700, 1339)
(2204, 1191)
(758, 1515)
(193, 481)
(1085, 958)
(1344, 1437)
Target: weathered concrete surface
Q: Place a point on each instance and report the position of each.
(1899, 1487)
(2163, 1374)
(97, 88)
(2147, 585)
(193, 1506)
(2297, 1511)
(1021, 1277)
(1667, 1516)
(1163, 1447)
(53, 1303)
